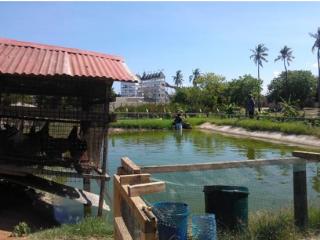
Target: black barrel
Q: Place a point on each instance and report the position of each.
(229, 204)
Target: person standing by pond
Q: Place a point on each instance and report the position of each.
(178, 121)
(250, 106)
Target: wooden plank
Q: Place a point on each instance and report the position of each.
(130, 166)
(307, 155)
(23, 170)
(121, 230)
(300, 198)
(58, 189)
(136, 204)
(146, 188)
(219, 165)
(135, 178)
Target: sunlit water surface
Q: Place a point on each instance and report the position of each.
(270, 187)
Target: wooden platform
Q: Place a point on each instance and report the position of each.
(58, 189)
(31, 113)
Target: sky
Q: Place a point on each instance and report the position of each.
(170, 36)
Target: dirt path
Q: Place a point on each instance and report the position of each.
(289, 139)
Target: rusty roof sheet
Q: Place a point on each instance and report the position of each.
(24, 58)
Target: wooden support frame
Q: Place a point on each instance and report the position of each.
(219, 165)
(127, 190)
(131, 186)
(129, 166)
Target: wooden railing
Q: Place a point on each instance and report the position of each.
(61, 115)
(133, 181)
(133, 218)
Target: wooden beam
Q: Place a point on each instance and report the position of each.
(219, 165)
(58, 189)
(307, 155)
(135, 179)
(130, 166)
(300, 198)
(121, 230)
(136, 204)
(146, 188)
(23, 171)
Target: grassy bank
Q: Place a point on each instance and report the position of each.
(277, 226)
(146, 123)
(294, 127)
(89, 228)
(262, 226)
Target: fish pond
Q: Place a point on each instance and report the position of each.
(270, 187)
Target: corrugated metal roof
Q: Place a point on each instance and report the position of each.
(26, 58)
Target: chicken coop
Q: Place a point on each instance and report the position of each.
(54, 113)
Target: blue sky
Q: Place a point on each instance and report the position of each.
(213, 36)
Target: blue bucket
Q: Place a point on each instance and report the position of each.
(204, 227)
(172, 220)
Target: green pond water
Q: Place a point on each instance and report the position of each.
(270, 187)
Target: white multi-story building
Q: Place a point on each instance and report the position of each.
(129, 89)
(151, 86)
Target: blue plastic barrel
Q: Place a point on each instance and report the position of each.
(204, 227)
(172, 220)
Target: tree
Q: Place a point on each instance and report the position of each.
(239, 89)
(195, 75)
(207, 96)
(301, 85)
(178, 78)
(259, 55)
(286, 56)
(213, 89)
(316, 46)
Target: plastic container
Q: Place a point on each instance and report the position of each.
(204, 227)
(229, 204)
(172, 220)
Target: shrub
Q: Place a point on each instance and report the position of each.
(21, 229)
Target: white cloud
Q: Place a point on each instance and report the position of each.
(315, 65)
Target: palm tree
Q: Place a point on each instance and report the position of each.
(287, 57)
(259, 55)
(178, 78)
(315, 46)
(195, 75)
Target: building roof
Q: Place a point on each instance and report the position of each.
(149, 76)
(25, 58)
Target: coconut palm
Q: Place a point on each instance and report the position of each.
(178, 78)
(259, 55)
(316, 46)
(195, 75)
(287, 57)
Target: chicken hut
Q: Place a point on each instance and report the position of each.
(54, 112)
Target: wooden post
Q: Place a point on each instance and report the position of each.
(105, 147)
(87, 187)
(104, 170)
(300, 199)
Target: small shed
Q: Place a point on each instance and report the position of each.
(54, 110)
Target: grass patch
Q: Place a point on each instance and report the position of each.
(293, 127)
(146, 123)
(296, 127)
(275, 226)
(88, 228)
(263, 225)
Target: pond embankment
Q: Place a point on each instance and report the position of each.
(290, 139)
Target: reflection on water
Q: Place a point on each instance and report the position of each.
(270, 186)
